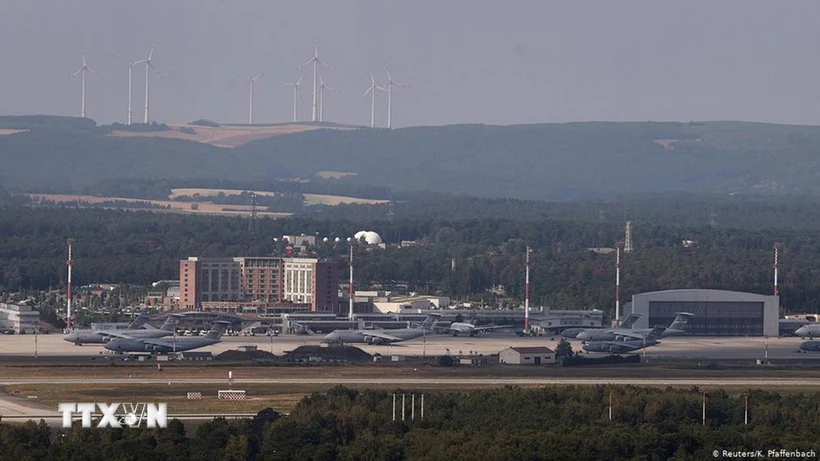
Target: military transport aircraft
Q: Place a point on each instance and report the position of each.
(165, 345)
(382, 336)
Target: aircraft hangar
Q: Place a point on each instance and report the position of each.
(716, 312)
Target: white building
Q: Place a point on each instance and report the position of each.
(298, 275)
(537, 355)
(20, 318)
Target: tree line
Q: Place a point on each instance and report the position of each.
(506, 423)
(457, 258)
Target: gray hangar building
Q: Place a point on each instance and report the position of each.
(716, 312)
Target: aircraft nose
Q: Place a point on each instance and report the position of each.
(71, 337)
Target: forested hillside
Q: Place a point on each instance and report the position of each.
(461, 258)
(548, 161)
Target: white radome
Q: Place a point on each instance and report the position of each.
(370, 237)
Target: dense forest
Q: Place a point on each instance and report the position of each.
(461, 258)
(542, 162)
(560, 423)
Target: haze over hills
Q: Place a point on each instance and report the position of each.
(590, 160)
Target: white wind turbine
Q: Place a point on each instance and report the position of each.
(130, 71)
(148, 68)
(322, 88)
(315, 61)
(250, 108)
(84, 69)
(372, 90)
(390, 84)
(295, 94)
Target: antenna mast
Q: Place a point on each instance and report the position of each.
(618, 284)
(776, 266)
(628, 238)
(350, 294)
(527, 294)
(70, 264)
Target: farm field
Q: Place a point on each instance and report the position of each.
(170, 205)
(224, 136)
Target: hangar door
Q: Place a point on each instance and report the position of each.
(711, 318)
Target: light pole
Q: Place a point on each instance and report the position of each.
(36, 331)
(704, 406)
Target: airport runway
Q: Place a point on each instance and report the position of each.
(400, 382)
(486, 344)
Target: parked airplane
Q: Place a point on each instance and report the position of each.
(809, 331)
(80, 337)
(470, 329)
(164, 345)
(572, 333)
(810, 346)
(622, 346)
(382, 336)
(676, 328)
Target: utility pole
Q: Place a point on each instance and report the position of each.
(704, 406)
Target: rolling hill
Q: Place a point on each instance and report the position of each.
(542, 162)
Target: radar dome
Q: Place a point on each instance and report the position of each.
(370, 237)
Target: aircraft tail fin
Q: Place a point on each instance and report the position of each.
(430, 322)
(170, 323)
(630, 320)
(680, 322)
(217, 329)
(138, 322)
(655, 333)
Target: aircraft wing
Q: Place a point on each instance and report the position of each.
(380, 334)
(629, 334)
(113, 334)
(157, 342)
(493, 327)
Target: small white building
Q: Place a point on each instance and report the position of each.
(537, 355)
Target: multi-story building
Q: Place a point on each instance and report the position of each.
(19, 317)
(264, 280)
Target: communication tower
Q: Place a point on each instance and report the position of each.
(70, 264)
(628, 238)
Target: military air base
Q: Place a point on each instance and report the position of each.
(367, 230)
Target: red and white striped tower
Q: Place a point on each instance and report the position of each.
(617, 284)
(527, 293)
(776, 267)
(350, 294)
(70, 264)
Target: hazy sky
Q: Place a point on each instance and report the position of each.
(465, 61)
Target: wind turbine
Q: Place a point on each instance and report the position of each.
(148, 68)
(322, 88)
(295, 94)
(372, 90)
(390, 84)
(315, 60)
(250, 108)
(130, 69)
(84, 69)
